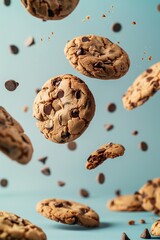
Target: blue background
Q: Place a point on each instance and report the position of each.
(34, 65)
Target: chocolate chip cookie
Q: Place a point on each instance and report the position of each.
(97, 57)
(109, 150)
(13, 141)
(14, 227)
(145, 86)
(155, 228)
(64, 108)
(50, 9)
(128, 203)
(68, 212)
(148, 194)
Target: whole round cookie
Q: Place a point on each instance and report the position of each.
(109, 150)
(145, 86)
(97, 57)
(155, 228)
(50, 9)
(125, 203)
(148, 194)
(63, 108)
(14, 227)
(13, 141)
(68, 212)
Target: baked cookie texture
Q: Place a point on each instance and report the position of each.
(13, 227)
(128, 203)
(13, 141)
(63, 108)
(145, 86)
(50, 9)
(109, 150)
(68, 212)
(97, 57)
(155, 228)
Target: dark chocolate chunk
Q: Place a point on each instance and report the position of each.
(56, 81)
(37, 90)
(29, 41)
(65, 135)
(61, 183)
(135, 132)
(72, 146)
(116, 27)
(142, 221)
(60, 94)
(14, 49)
(145, 234)
(7, 2)
(111, 107)
(158, 7)
(43, 159)
(80, 51)
(84, 193)
(74, 113)
(78, 94)
(149, 70)
(101, 178)
(47, 109)
(4, 182)
(58, 204)
(118, 192)
(50, 13)
(131, 222)
(149, 79)
(109, 127)
(124, 237)
(143, 146)
(98, 65)
(11, 85)
(46, 171)
(85, 39)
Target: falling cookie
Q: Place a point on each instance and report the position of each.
(155, 228)
(13, 141)
(145, 86)
(14, 227)
(50, 9)
(63, 108)
(128, 203)
(109, 150)
(68, 212)
(97, 57)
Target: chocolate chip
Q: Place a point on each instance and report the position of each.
(98, 65)
(3, 182)
(149, 70)
(135, 133)
(134, 23)
(84, 193)
(74, 113)
(14, 49)
(65, 135)
(116, 27)
(124, 237)
(78, 94)
(118, 192)
(85, 39)
(72, 146)
(145, 234)
(101, 178)
(47, 109)
(37, 90)
(56, 81)
(142, 221)
(7, 2)
(29, 41)
(80, 51)
(109, 127)
(149, 79)
(158, 7)
(111, 107)
(143, 146)
(61, 183)
(50, 13)
(46, 171)
(58, 205)
(11, 85)
(101, 150)
(131, 222)
(43, 159)
(60, 94)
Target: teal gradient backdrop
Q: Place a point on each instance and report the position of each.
(36, 64)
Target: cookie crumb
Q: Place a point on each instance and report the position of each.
(100, 178)
(116, 27)
(88, 17)
(103, 15)
(46, 171)
(108, 127)
(43, 159)
(11, 85)
(14, 49)
(124, 237)
(3, 182)
(158, 7)
(25, 109)
(150, 58)
(118, 192)
(84, 193)
(143, 146)
(145, 234)
(61, 183)
(131, 222)
(142, 221)
(134, 23)
(72, 146)
(111, 107)
(29, 42)
(135, 132)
